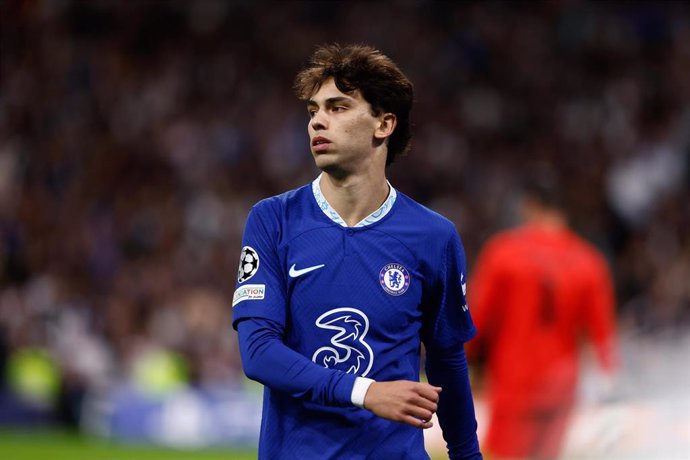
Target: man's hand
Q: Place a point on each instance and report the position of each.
(403, 401)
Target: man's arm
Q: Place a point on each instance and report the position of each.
(448, 325)
(484, 298)
(266, 359)
(600, 314)
(449, 370)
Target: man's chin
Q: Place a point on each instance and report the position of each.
(325, 161)
(330, 167)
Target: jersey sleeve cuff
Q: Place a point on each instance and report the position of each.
(359, 391)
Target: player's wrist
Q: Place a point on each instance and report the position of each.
(359, 391)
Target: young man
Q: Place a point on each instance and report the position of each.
(536, 291)
(342, 280)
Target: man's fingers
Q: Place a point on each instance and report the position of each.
(420, 413)
(426, 424)
(416, 422)
(425, 403)
(429, 392)
(412, 403)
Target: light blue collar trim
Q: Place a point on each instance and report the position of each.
(332, 214)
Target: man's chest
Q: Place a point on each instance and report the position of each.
(352, 267)
(350, 283)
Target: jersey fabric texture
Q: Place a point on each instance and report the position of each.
(348, 302)
(536, 292)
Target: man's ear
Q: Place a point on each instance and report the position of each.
(387, 123)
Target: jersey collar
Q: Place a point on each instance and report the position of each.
(332, 214)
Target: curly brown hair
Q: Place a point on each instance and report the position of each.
(379, 80)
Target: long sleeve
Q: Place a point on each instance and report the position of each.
(450, 325)
(600, 314)
(449, 370)
(266, 359)
(484, 298)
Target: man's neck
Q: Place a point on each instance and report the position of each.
(355, 197)
(549, 220)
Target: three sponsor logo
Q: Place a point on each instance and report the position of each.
(347, 349)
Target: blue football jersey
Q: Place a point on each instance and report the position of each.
(358, 300)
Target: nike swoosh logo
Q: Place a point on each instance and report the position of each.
(294, 273)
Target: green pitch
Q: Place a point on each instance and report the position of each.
(62, 446)
(65, 446)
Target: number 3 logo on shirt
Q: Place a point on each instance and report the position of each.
(349, 352)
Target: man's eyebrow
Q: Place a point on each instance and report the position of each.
(330, 100)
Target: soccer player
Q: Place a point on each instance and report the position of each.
(536, 290)
(341, 281)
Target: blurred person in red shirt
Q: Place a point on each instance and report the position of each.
(536, 291)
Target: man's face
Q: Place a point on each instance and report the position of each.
(341, 129)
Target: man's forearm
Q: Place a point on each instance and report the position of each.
(266, 359)
(456, 407)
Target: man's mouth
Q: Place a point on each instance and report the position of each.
(320, 143)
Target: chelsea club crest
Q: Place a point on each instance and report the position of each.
(394, 279)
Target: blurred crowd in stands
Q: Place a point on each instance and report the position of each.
(135, 137)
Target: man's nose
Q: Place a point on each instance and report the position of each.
(319, 121)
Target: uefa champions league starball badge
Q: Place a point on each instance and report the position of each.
(249, 264)
(394, 279)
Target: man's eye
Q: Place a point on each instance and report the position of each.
(339, 109)
(312, 113)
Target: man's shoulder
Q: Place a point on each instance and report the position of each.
(277, 203)
(524, 238)
(416, 214)
(587, 251)
(286, 215)
(508, 244)
(510, 236)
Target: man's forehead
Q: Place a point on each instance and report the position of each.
(328, 90)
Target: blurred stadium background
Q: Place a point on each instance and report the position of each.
(135, 136)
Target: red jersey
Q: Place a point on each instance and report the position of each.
(533, 294)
